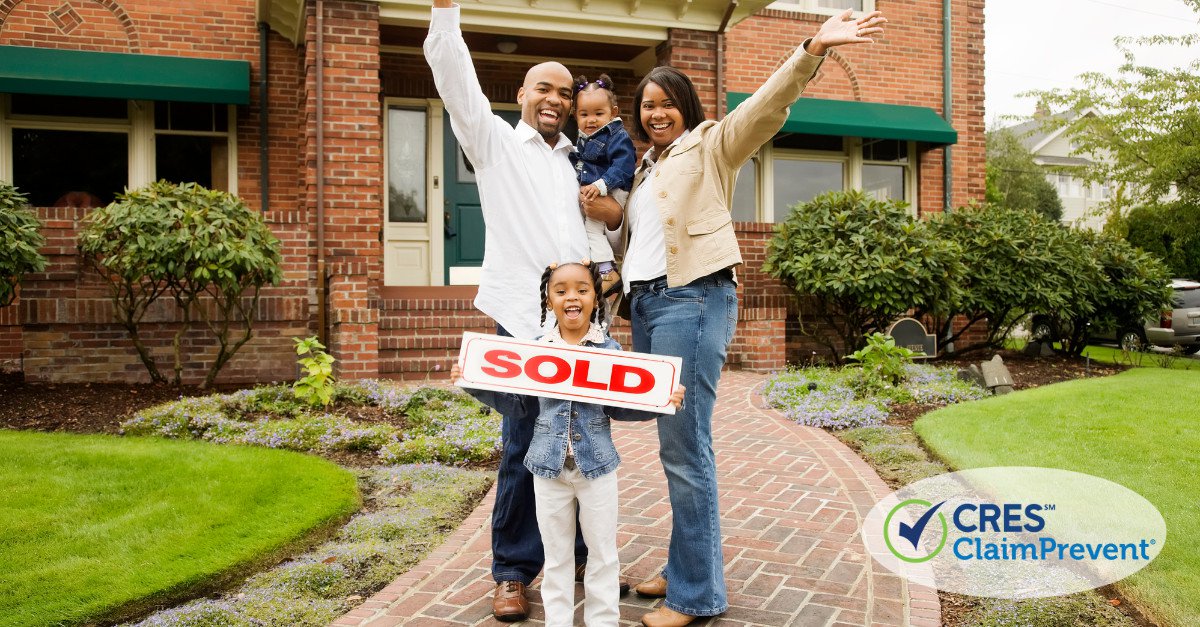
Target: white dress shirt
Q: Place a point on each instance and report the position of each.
(527, 189)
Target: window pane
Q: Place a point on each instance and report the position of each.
(883, 181)
(107, 108)
(841, 5)
(798, 181)
(191, 116)
(745, 202)
(885, 150)
(406, 165)
(801, 141)
(186, 159)
(77, 168)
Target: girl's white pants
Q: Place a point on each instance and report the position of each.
(597, 501)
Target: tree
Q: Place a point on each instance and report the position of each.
(1146, 133)
(1014, 181)
(19, 243)
(204, 248)
(860, 263)
(1170, 231)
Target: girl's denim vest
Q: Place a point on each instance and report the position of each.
(585, 425)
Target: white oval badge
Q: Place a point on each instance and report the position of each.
(1014, 532)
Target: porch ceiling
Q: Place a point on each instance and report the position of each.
(625, 22)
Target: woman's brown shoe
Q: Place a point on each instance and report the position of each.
(655, 588)
(666, 617)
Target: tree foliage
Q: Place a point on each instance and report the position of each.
(1146, 134)
(1170, 231)
(19, 242)
(1014, 181)
(1016, 262)
(204, 248)
(859, 263)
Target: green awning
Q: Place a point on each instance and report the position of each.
(44, 71)
(847, 118)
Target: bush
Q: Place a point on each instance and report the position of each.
(1134, 286)
(883, 358)
(19, 243)
(1016, 263)
(860, 263)
(204, 248)
(1169, 231)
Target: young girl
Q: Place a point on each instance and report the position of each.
(573, 459)
(604, 161)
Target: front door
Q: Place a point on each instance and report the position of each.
(464, 230)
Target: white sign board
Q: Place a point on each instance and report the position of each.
(574, 373)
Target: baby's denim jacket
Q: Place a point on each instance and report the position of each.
(586, 424)
(606, 154)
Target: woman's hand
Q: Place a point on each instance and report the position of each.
(844, 29)
(602, 208)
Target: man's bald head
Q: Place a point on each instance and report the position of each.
(545, 99)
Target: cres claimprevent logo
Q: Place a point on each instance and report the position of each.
(924, 513)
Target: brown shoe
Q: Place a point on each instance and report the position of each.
(509, 603)
(666, 617)
(655, 588)
(622, 583)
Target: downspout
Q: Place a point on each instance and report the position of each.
(947, 167)
(322, 331)
(264, 101)
(721, 58)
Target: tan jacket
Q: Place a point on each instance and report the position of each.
(695, 181)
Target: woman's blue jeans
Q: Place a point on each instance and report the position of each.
(694, 322)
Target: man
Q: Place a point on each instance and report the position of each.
(530, 200)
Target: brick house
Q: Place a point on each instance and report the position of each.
(345, 147)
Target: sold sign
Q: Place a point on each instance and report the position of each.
(573, 373)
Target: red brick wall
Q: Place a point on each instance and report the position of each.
(62, 328)
(902, 67)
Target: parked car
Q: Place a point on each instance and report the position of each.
(1178, 326)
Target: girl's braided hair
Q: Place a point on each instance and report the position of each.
(593, 270)
(604, 82)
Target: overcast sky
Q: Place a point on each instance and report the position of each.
(1043, 44)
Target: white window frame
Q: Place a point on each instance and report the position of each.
(139, 126)
(910, 172)
(811, 6)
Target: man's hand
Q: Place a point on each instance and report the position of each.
(602, 208)
(443, 4)
(677, 397)
(844, 29)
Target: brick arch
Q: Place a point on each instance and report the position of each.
(823, 74)
(82, 29)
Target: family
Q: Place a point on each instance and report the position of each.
(667, 219)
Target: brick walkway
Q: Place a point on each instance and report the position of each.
(792, 499)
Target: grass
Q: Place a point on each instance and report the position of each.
(1136, 429)
(97, 528)
(1147, 359)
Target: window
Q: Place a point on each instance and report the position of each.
(885, 169)
(406, 165)
(83, 151)
(745, 194)
(801, 180)
(827, 7)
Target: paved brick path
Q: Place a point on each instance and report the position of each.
(792, 499)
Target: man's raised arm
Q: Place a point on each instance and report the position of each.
(454, 75)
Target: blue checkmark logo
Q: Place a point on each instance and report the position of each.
(913, 532)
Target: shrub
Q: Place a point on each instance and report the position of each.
(1016, 262)
(204, 248)
(1170, 231)
(316, 386)
(860, 263)
(883, 358)
(19, 243)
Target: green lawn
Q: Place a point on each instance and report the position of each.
(1149, 359)
(94, 527)
(1138, 429)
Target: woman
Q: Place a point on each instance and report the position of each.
(678, 266)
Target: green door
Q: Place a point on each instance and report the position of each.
(464, 219)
